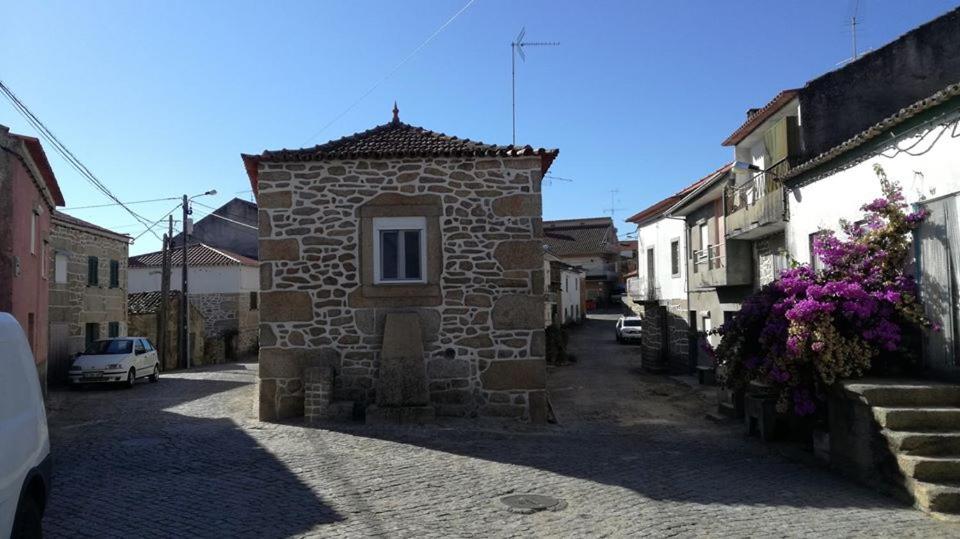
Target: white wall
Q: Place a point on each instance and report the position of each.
(658, 235)
(202, 280)
(571, 282)
(823, 203)
(249, 279)
(593, 265)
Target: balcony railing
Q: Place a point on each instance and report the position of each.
(757, 205)
(642, 289)
(720, 265)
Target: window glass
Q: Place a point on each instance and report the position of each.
(411, 254)
(93, 270)
(675, 257)
(113, 346)
(253, 301)
(147, 345)
(138, 346)
(113, 329)
(389, 254)
(114, 274)
(632, 323)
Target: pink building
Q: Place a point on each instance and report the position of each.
(28, 195)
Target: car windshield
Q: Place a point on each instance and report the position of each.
(110, 347)
(633, 323)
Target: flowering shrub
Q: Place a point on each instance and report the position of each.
(809, 328)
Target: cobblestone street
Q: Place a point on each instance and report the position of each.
(633, 456)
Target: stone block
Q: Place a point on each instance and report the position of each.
(267, 400)
(266, 276)
(477, 341)
(290, 363)
(274, 199)
(286, 306)
(539, 407)
(518, 206)
(403, 376)
(267, 338)
(285, 249)
(516, 311)
(515, 374)
(519, 255)
(289, 406)
(538, 344)
(439, 369)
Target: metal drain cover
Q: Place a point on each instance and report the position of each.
(532, 503)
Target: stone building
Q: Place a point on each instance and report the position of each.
(231, 227)
(222, 285)
(88, 292)
(143, 311)
(29, 194)
(590, 244)
(410, 264)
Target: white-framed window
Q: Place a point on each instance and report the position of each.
(399, 250)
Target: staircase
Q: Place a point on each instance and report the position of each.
(919, 424)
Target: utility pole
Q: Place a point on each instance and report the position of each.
(162, 319)
(184, 290)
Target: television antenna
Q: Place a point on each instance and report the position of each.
(551, 178)
(516, 48)
(613, 209)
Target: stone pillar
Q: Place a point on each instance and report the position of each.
(402, 394)
(317, 393)
(653, 336)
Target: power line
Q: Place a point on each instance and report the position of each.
(155, 223)
(211, 214)
(390, 73)
(115, 204)
(64, 152)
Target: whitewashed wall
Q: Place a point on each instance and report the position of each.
(202, 280)
(571, 282)
(658, 235)
(821, 205)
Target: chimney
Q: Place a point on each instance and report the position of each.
(751, 112)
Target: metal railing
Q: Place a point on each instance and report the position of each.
(757, 187)
(713, 257)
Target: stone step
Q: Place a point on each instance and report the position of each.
(936, 497)
(930, 469)
(918, 419)
(906, 394)
(923, 443)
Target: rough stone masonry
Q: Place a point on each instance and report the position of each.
(480, 311)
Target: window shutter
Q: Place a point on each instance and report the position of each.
(114, 274)
(93, 269)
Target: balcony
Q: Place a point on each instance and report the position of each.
(640, 289)
(756, 208)
(726, 264)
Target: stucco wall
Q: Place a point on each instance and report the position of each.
(821, 204)
(659, 234)
(23, 283)
(201, 279)
(482, 330)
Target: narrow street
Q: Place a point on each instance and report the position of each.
(633, 456)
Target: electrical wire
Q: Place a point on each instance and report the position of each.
(211, 214)
(155, 223)
(65, 152)
(115, 204)
(389, 73)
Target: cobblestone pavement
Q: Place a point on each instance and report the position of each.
(633, 457)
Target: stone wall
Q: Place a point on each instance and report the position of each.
(481, 311)
(145, 325)
(665, 333)
(74, 304)
(229, 322)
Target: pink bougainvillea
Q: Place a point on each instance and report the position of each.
(809, 328)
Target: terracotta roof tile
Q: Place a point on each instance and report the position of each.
(659, 208)
(395, 140)
(198, 254)
(760, 115)
(569, 237)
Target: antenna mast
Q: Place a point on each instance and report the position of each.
(853, 27)
(516, 47)
(613, 205)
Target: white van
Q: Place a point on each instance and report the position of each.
(24, 443)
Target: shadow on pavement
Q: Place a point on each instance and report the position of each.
(127, 466)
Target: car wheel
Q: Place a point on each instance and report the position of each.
(131, 377)
(28, 522)
(155, 377)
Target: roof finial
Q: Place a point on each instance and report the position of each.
(396, 113)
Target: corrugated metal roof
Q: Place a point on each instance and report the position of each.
(198, 254)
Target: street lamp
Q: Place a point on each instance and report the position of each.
(184, 287)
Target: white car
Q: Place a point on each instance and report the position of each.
(628, 329)
(120, 359)
(24, 442)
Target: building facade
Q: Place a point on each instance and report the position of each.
(590, 244)
(231, 227)
(29, 194)
(222, 285)
(143, 314)
(88, 289)
(410, 264)
(565, 292)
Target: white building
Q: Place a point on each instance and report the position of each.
(918, 147)
(566, 292)
(223, 285)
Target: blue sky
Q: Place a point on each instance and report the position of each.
(160, 98)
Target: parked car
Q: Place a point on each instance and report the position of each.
(24, 442)
(120, 359)
(628, 329)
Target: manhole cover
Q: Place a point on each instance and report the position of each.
(532, 503)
